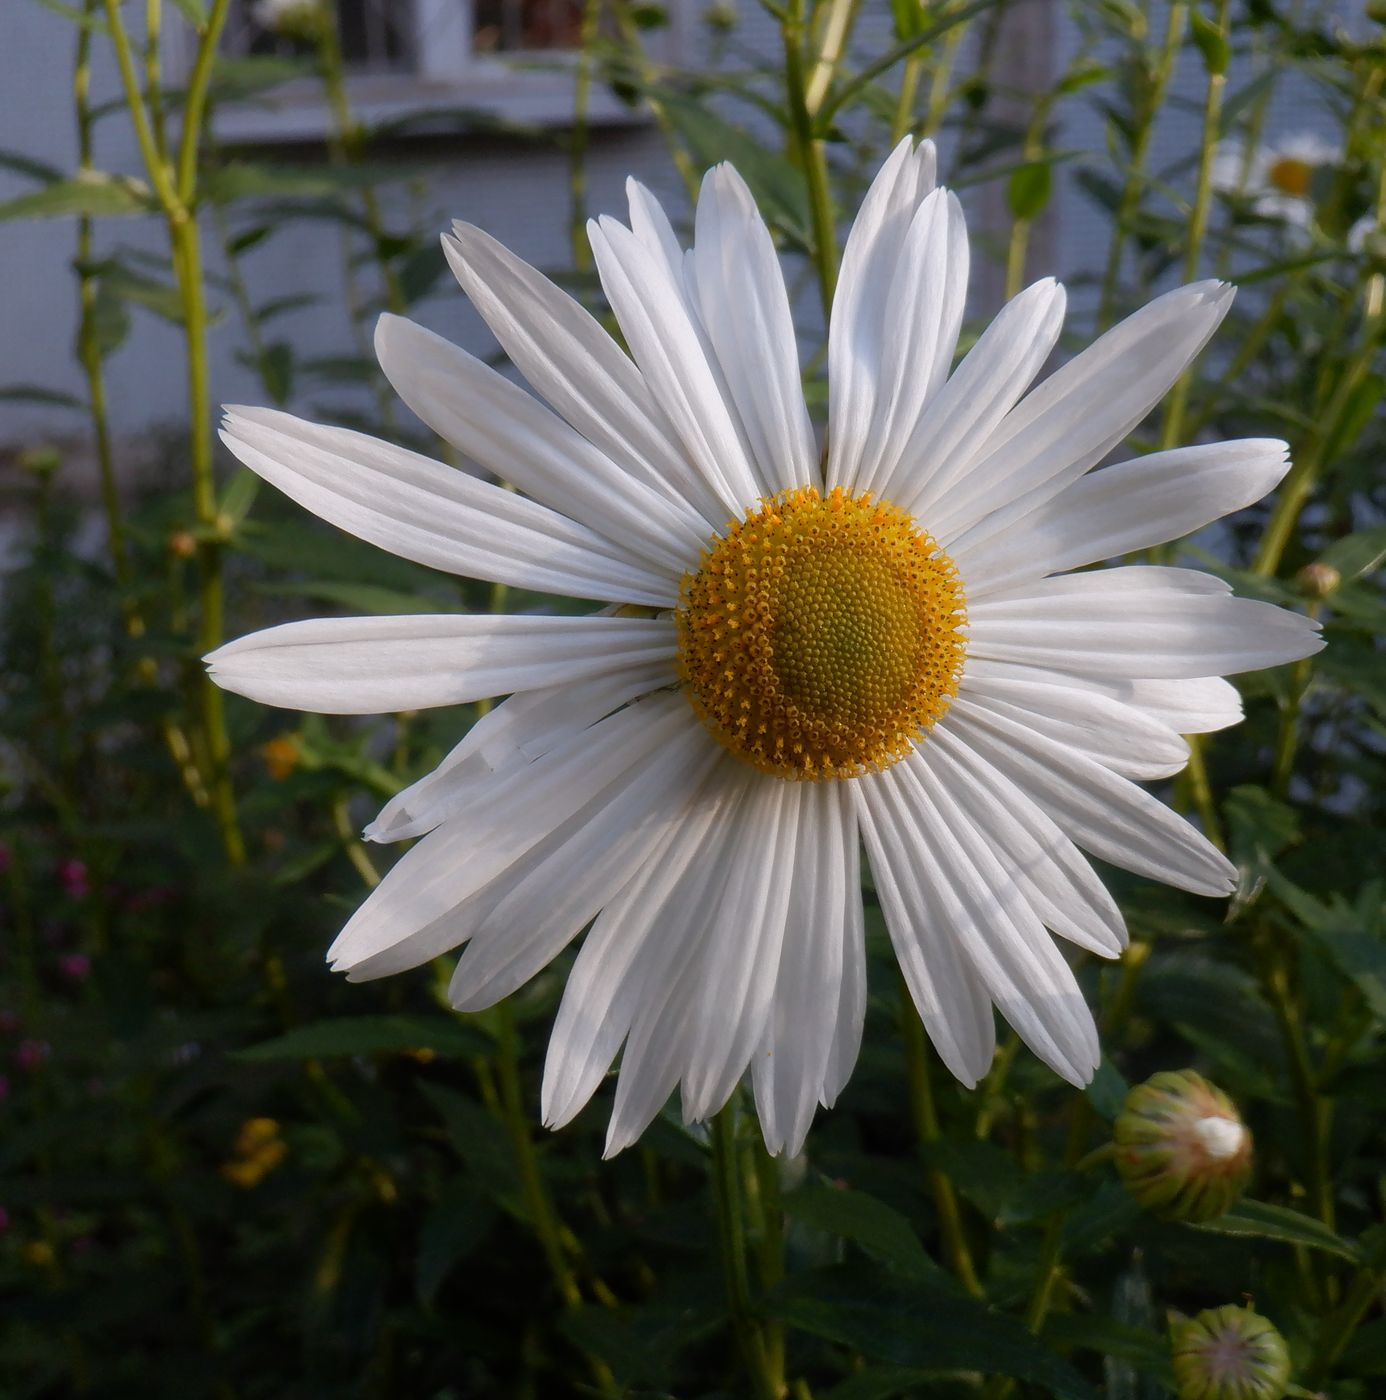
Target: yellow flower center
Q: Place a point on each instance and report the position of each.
(821, 636)
(1291, 176)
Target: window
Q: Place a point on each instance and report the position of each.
(406, 57)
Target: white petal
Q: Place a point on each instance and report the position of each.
(656, 1050)
(626, 959)
(568, 358)
(923, 312)
(1105, 814)
(434, 515)
(745, 311)
(790, 1067)
(518, 731)
(506, 816)
(1132, 505)
(856, 326)
(1060, 885)
(512, 435)
(978, 395)
(851, 1002)
(1134, 622)
(539, 906)
(1193, 706)
(974, 901)
(740, 953)
(951, 1000)
(655, 320)
(1082, 411)
(377, 665)
(1121, 737)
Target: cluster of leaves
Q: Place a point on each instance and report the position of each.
(224, 1173)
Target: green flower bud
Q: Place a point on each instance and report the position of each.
(1181, 1149)
(1229, 1353)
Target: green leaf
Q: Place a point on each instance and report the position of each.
(456, 1224)
(75, 15)
(239, 495)
(131, 285)
(874, 1227)
(1260, 1220)
(194, 11)
(36, 393)
(1027, 191)
(924, 1329)
(1147, 1351)
(1108, 1091)
(1211, 41)
(94, 193)
(1362, 552)
(358, 597)
(242, 180)
(371, 1035)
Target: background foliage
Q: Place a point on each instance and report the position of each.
(225, 1174)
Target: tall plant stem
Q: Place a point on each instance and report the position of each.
(926, 1126)
(812, 158)
(731, 1234)
(543, 1217)
(177, 197)
(1133, 185)
(836, 27)
(578, 137)
(1178, 400)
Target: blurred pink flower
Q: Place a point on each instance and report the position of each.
(76, 967)
(31, 1054)
(72, 876)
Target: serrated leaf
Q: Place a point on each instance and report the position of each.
(93, 193)
(875, 1228)
(1261, 1220)
(371, 1035)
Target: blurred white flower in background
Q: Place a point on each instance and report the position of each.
(1278, 178)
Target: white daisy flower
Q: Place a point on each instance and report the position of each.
(806, 654)
(1278, 178)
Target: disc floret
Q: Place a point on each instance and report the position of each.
(822, 635)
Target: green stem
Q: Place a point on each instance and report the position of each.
(926, 1125)
(837, 26)
(1339, 1326)
(1287, 740)
(812, 158)
(1197, 784)
(542, 1216)
(1134, 183)
(765, 1182)
(1198, 225)
(579, 136)
(731, 1233)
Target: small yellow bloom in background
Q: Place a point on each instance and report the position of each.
(38, 1254)
(258, 1150)
(281, 756)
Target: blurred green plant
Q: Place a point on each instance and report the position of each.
(224, 1174)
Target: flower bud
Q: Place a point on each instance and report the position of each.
(1229, 1353)
(1318, 580)
(1181, 1149)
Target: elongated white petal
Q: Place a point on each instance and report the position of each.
(851, 1001)
(789, 1071)
(1082, 411)
(376, 665)
(1120, 736)
(1103, 813)
(1056, 879)
(923, 315)
(434, 515)
(1197, 705)
(656, 1052)
(514, 733)
(745, 310)
(565, 882)
(512, 435)
(1137, 622)
(952, 1003)
(856, 326)
(654, 318)
(506, 816)
(626, 958)
(1132, 505)
(974, 900)
(978, 395)
(565, 354)
(740, 954)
